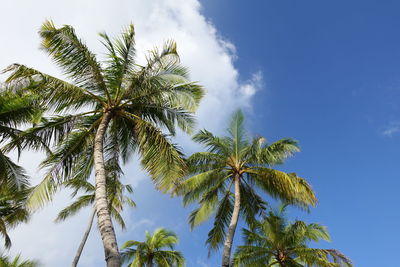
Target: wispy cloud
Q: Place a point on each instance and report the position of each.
(249, 88)
(201, 263)
(392, 129)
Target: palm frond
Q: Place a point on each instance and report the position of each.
(73, 57)
(286, 187)
(54, 93)
(72, 209)
(216, 235)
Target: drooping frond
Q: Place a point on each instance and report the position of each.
(61, 165)
(72, 209)
(223, 215)
(284, 186)
(12, 175)
(323, 257)
(162, 159)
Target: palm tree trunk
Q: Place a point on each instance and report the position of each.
(106, 228)
(85, 237)
(226, 256)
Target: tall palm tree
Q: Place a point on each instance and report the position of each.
(276, 242)
(235, 162)
(114, 188)
(152, 252)
(112, 108)
(17, 262)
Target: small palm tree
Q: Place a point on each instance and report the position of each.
(112, 109)
(114, 188)
(17, 262)
(276, 242)
(152, 252)
(234, 162)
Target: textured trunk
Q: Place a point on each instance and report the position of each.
(226, 256)
(85, 237)
(103, 213)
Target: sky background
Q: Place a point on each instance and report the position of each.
(323, 72)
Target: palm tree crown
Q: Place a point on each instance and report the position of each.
(234, 162)
(154, 251)
(109, 110)
(276, 242)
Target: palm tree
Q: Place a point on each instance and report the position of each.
(118, 108)
(234, 161)
(114, 188)
(276, 242)
(152, 251)
(17, 262)
(12, 211)
(15, 110)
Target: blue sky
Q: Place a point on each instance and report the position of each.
(331, 71)
(328, 77)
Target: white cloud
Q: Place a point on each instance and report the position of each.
(251, 86)
(201, 263)
(209, 57)
(392, 129)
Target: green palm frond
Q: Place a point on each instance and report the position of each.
(73, 57)
(223, 215)
(284, 186)
(162, 159)
(72, 209)
(54, 93)
(12, 210)
(17, 261)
